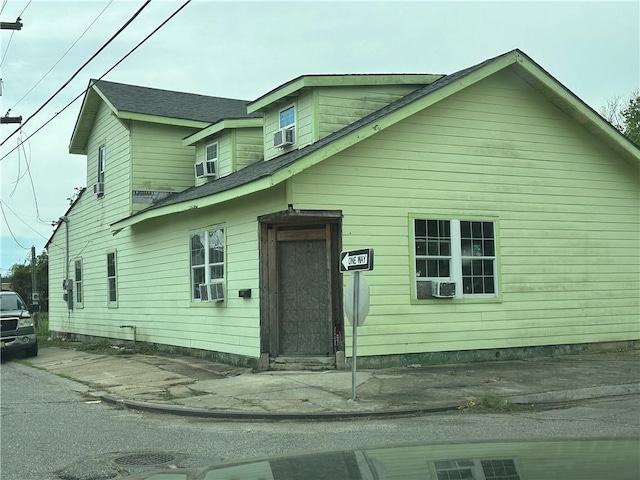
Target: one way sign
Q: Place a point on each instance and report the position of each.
(356, 260)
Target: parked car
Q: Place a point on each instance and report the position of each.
(18, 327)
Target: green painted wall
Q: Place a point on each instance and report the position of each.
(249, 146)
(341, 106)
(225, 156)
(162, 163)
(114, 136)
(304, 124)
(568, 209)
(154, 279)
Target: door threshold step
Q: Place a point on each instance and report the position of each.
(302, 363)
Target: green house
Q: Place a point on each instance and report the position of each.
(504, 214)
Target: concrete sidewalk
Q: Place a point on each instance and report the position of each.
(196, 387)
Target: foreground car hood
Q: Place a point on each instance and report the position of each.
(524, 460)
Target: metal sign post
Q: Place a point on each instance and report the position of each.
(354, 321)
(356, 298)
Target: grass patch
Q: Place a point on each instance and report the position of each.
(42, 329)
(494, 403)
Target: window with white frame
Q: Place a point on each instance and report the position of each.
(78, 281)
(462, 252)
(477, 469)
(288, 117)
(207, 260)
(112, 287)
(102, 157)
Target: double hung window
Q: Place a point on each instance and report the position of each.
(112, 287)
(288, 117)
(457, 251)
(78, 282)
(207, 260)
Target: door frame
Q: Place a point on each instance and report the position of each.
(269, 226)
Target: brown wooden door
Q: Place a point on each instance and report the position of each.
(303, 300)
(304, 285)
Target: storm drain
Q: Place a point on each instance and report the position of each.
(141, 459)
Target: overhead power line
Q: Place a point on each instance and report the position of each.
(9, 228)
(80, 69)
(63, 55)
(101, 77)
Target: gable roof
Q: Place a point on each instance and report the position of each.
(152, 105)
(263, 175)
(64, 215)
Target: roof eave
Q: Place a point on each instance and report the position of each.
(240, 191)
(572, 105)
(180, 122)
(220, 126)
(293, 87)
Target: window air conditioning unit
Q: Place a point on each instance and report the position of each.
(211, 292)
(206, 169)
(284, 137)
(98, 188)
(436, 289)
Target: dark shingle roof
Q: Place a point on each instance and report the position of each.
(263, 169)
(166, 103)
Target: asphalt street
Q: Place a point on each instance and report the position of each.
(50, 425)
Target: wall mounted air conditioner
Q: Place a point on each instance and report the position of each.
(284, 137)
(211, 292)
(98, 188)
(435, 289)
(206, 169)
(438, 289)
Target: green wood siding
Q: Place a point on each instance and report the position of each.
(225, 156)
(249, 146)
(160, 162)
(341, 106)
(110, 133)
(154, 278)
(304, 124)
(567, 210)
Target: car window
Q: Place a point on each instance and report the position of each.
(11, 302)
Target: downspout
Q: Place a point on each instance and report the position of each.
(66, 263)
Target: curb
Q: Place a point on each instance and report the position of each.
(551, 398)
(271, 416)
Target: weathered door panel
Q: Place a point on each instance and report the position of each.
(304, 310)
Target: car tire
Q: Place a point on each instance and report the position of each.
(31, 351)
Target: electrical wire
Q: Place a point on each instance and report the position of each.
(23, 221)
(11, 37)
(80, 69)
(63, 55)
(4, 4)
(101, 77)
(7, 49)
(9, 228)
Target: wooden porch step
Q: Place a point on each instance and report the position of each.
(302, 363)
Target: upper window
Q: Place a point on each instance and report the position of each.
(112, 287)
(101, 164)
(78, 269)
(288, 117)
(207, 265)
(459, 252)
(208, 167)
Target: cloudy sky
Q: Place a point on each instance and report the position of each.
(244, 49)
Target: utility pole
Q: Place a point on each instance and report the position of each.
(17, 25)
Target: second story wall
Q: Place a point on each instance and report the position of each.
(249, 147)
(224, 163)
(304, 124)
(111, 137)
(160, 163)
(341, 106)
